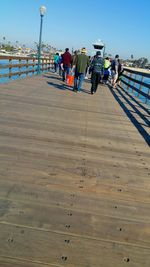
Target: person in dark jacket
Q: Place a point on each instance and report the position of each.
(120, 71)
(96, 69)
(66, 63)
(114, 71)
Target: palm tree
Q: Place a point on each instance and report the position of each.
(24, 46)
(131, 56)
(36, 45)
(4, 38)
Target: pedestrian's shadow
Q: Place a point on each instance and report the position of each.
(60, 86)
(52, 77)
(87, 80)
(85, 91)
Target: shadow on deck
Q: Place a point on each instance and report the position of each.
(138, 114)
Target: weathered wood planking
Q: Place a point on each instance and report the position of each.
(89, 225)
(74, 179)
(45, 247)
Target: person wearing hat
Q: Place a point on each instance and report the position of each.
(81, 63)
(96, 69)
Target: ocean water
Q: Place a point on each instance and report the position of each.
(143, 88)
(15, 69)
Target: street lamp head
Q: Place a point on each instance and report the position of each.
(42, 10)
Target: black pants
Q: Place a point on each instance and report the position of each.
(95, 79)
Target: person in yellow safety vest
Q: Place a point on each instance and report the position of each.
(107, 63)
(106, 70)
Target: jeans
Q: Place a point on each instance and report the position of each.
(60, 70)
(106, 75)
(78, 80)
(56, 67)
(66, 71)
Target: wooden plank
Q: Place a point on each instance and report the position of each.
(72, 222)
(53, 248)
(74, 179)
(9, 262)
(17, 65)
(75, 199)
(27, 172)
(105, 155)
(95, 187)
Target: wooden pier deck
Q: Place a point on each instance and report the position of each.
(74, 177)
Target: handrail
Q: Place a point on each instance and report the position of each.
(17, 57)
(17, 65)
(133, 81)
(138, 71)
(30, 65)
(16, 73)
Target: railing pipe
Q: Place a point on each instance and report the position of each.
(138, 84)
(45, 65)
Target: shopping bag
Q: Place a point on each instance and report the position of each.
(70, 80)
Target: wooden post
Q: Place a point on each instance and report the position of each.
(134, 82)
(129, 80)
(42, 64)
(146, 99)
(140, 88)
(27, 61)
(10, 63)
(46, 64)
(19, 67)
(49, 64)
(33, 61)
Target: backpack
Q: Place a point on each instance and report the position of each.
(113, 64)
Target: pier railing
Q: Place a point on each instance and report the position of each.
(137, 83)
(17, 66)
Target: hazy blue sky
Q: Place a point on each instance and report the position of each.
(123, 25)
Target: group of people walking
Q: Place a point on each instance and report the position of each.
(79, 64)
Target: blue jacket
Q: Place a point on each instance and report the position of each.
(97, 64)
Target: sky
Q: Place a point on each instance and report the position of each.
(123, 25)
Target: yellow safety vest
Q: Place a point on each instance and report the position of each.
(106, 64)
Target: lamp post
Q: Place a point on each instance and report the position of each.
(42, 12)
